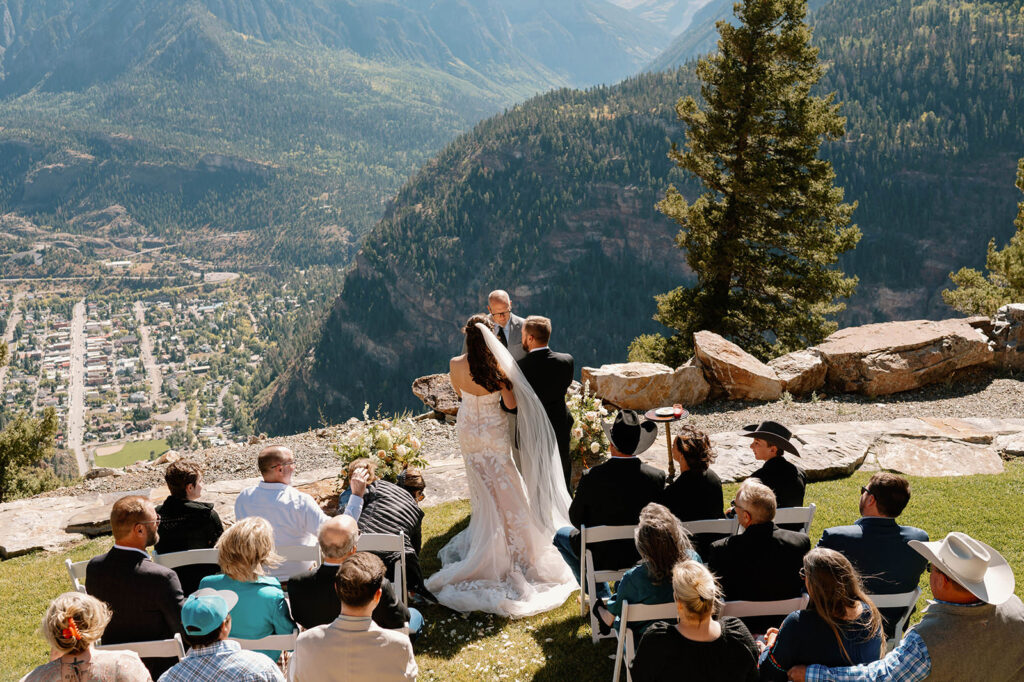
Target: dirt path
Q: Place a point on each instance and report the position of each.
(12, 322)
(76, 389)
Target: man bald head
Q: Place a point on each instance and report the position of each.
(338, 537)
(277, 464)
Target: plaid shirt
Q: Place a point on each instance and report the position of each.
(223, 661)
(909, 662)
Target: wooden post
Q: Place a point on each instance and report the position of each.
(671, 462)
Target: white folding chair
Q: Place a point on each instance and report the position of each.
(712, 526)
(778, 607)
(187, 558)
(904, 600)
(270, 642)
(385, 542)
(590, 577)
(793, 515)
(299, 553)
(632, 613)
(158, 648)
(76, 571)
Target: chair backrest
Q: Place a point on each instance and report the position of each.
(793, 515)
(592, 536)
(778, 607)
(905, 600)
(270, 642)
(159, 648)
(76, 571)
(187, 558)
(299, 553)
(385, 542)
(712, 526)
(632, 613)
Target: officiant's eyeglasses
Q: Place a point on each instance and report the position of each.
(505, 313)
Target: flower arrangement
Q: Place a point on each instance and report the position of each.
(391, 442)
(588, 444)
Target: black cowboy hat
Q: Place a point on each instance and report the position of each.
(628, 434)
(773, 433)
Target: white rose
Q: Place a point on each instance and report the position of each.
(604, 412)
(401, 451)
(577, 433)
(591, 416)
(595, 447)
(415, 443)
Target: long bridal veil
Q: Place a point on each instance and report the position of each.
(538, 449)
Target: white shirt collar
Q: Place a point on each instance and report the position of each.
(541, 348)
(132, 549)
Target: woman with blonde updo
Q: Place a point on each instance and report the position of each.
(246, 550)
(699, 647)
(71, 625)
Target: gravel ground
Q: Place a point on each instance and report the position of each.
(976, 393)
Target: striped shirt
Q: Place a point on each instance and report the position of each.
(223, 661)
(909, 662)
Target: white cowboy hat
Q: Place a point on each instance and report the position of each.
(971, 563)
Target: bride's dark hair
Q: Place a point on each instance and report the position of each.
(483, 366)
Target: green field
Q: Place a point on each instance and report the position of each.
(133, 452)
(555, 645)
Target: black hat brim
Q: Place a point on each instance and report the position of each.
(775, 439)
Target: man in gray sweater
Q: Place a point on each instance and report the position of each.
(973, 630)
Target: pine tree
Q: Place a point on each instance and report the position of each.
(764, 237)
(978, 294)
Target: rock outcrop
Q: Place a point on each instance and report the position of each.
(737, 372)
(879, 359)
(645, 385)
(801, 372)
(436, 392)
(1008, 336)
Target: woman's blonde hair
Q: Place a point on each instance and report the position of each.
(74, 621)
(695, 588)
(246, 548)
(835, 586)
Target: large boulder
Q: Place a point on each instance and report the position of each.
(737, 372)
(1008, 335)
(436, 392)
(645, 385)
(879, 359)
(800, 372)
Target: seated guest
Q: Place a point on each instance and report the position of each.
(972, 631)
(245, 551)
(294, 515)
(842, 627)
(764, 562)
(877, 546)
(212, 656)
(411, 480)
(73, 622)
(662, 542)
(387, 508)
(698, 647)
(185, 522)
(145, 597)
(353, 647)
(314, 599)
(613, 494)
(696, 493)
(784, 478)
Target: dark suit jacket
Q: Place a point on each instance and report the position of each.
(785, 479)
(185, 525)
(612, 494)
(145, 599)
(877, 548)
(314, 601)
(550, 375)
(761, 564)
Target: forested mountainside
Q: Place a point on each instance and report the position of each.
(554, 200)
(291, 121)
(672, 15)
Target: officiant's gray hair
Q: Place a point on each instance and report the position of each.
(539, 328)
(498, 295)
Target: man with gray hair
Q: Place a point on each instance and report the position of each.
(314, 599)
(764, 562)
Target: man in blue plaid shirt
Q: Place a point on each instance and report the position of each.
(213, 658)
(972, 630)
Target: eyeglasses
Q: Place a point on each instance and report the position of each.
(504, 313)
(146, 523)
(803, 574)
(864, 489)
(285, 463)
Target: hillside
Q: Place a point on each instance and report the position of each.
(554, 201)
(312, 113)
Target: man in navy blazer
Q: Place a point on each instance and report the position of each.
(877, 546)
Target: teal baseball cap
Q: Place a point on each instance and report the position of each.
(205, 610)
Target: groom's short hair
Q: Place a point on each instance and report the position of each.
(539, 328)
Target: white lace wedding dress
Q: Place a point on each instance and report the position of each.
(504, 562)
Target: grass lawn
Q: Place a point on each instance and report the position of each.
(133, 452)
(555, 645)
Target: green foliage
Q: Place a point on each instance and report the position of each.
(24, 441)
(764, 236)
(391, 443)
(980, 294)
(648, 348)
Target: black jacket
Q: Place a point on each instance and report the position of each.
(695, 496)
(314, 601)
(188, 525)
(761, 564)
(612, 494)
(550, 375)
(145, 599)
(785, 479)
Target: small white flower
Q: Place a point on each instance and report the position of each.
(595, 447)
(577, 433)
(604, 412)
(401, 451)
(415, 443)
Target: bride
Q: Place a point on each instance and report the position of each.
(504, 562)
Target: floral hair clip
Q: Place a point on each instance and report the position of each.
(71, 631)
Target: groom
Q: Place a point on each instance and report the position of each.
(549, 374)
